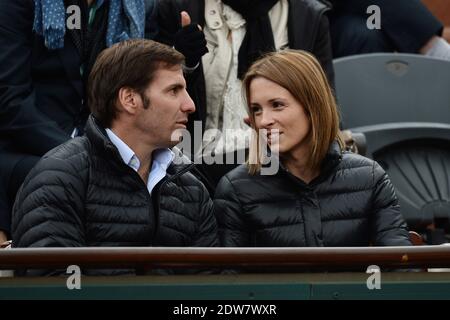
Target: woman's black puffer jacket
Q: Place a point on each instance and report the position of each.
(351, 203)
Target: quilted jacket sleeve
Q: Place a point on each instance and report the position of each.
(207, 235)
(388, 228)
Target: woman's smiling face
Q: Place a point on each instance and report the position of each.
(276, 110)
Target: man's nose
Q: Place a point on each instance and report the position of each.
(188, 105)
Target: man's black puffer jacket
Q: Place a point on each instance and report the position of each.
(351, 203)
(82, 194)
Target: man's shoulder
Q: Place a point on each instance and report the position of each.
(189, 179)
(72, 149)
(64, 166)
(72, 156)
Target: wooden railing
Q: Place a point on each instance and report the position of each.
(398, 257)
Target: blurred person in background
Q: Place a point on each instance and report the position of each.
(406, 26)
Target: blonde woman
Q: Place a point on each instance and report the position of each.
(321, 195)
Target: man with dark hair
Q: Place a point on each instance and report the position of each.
(120, 184)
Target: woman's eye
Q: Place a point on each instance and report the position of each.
(256, 110)
(277, 104)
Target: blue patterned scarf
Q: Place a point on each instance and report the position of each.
(126, 19)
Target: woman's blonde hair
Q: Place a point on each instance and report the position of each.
(300, 73)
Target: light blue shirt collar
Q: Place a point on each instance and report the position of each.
(162, 158)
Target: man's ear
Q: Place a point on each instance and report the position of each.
(129, 100)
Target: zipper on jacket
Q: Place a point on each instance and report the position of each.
(149, 198)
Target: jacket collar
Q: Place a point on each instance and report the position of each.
(180, 164)
(332, 158)
(99, 139)
(329, 163)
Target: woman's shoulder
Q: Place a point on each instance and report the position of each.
(240, 179)
(352, 160)
(238, 173)
(359, 166)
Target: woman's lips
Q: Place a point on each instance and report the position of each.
(273, 136)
